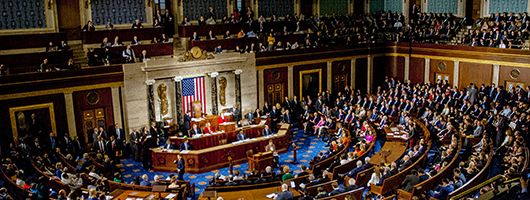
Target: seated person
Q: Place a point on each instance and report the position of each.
(210, 35)
(202, 21)
(92, 57)
(210, 21)
(241, 136)
(5, 71)
(105, 43)
(155, 40)
(208, 128)
(251, 34)
(51, 47)
(109, 26)
(226, 35)
(266, 131)
(129, 55)
(195, 130)
(241, 34)
(164, 38)
(137, 24)
(63, 46)
(186, 22)
(194, 37)
(117, 42)
(89, 27)
(156, 24)
(144, 56)
(185, 145)
(135, 41)
(169, 145)
(218, 49)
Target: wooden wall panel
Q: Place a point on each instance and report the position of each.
(417, 70)
(5, 121)
(105, 102)
(268, 79)
(474, 73)
(301, 68)
(434, 69)
(341, 68)
(504, 75)
(361, 66)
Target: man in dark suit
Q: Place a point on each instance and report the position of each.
(287, 117)
(119, 134)
(153, 130)
(102, 133)
(275, 118)
(249, 116)
(241, 135)
(266, 131)
(99, 145)
(336, 189)
(235, 113)
(353, 172)
(66, 143)
(410, 181)
(187, 119)
(112, 148)
(136, 24)
(286, 104)
(195, 131)
(180, 167)
(185, 145)
(406, 163)
(352, 185)
(285, 194)
(52, 143)
(134, 142)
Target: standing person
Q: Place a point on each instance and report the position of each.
(134, 141)
(145, 153)
(180, 167)
(187, 119)
(154, 135)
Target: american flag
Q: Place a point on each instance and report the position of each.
(193, 90)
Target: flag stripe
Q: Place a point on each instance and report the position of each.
(193, 90)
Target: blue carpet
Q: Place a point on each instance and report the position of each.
(308, 147)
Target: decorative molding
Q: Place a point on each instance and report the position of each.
(150, 82)
(238, 71)
(59, 90)
(178, 78)
(214, 74)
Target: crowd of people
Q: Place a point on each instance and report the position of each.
(500, 30)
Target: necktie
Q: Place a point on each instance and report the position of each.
(186, 146)
(101, 145)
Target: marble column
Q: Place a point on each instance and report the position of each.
(370, 74)
(352, 78)
(238, 90)
(407, 69)
(495, 77)
(178, 99)
(290, 82)
(116, 106)
(329, 76)
(213, 86)
(427, 70)
(151, 100)
(456, 73)
(70, 114)
(261, 90)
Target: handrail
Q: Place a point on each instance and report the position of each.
(478, 178)
(476, 187)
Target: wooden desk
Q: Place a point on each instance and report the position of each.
(255, 194)
(124, 194)
(31, 40)
(94, 37)
(396, 149)
(395, 136)
(259, 161)
(212, 119)
(212, 140)
(228, 126)
(30, 62)
(208, 159)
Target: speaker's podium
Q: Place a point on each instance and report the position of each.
(260, 161)
(227, 126)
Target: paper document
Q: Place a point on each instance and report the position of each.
(170, 196)
(270, 196)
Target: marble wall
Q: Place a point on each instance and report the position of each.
(165, 70)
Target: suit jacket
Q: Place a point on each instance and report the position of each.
(405, 165)
(336, 192)
(194, 132)
(120, 133)
(111, 149)
(187, 120)
(249, 116)
(287, 118)
(100, 148)
(241, 136)
(266, 132)
(410, 181)
(183, 146)
(285, 195)
(180, 165)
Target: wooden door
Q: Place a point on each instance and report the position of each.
(339, 82)
(275, 93)
(306, 8)
(358, 7)
(91, 119)
(69, 19)
(440, 76)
